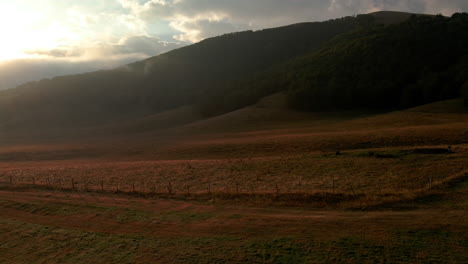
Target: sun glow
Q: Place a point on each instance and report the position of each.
(24, 29)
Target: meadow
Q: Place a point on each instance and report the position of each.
(351, 187)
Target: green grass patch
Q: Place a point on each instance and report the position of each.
(127, 215)
(54, 208)
(30, 243)
(432, 245)
(121, 215)
(282, 250)
(184, 216)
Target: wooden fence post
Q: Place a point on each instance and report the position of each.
(169, 188)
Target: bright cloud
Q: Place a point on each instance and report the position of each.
(68, 26)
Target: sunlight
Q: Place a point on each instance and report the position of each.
(12, 24)
(24, 29)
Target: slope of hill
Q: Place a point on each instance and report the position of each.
(271, 112)
(363, 65)
(297, 152)
(180, 77)
(374, 67)
(392, 17)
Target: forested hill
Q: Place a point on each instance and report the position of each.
(422, 60)
(180, 77)
(417, 62)
(343, 63)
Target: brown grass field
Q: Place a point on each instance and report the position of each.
(259, 185)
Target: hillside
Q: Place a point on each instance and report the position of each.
(177, 78)
(352, 64)
(372, 68)
(391, 17)
(252, 141)
(191, 75)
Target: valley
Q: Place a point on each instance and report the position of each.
(279, 194)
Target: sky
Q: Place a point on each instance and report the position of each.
(45, 38)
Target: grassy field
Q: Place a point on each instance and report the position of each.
(258, 185)
(56, 227)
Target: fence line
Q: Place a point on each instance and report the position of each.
(149, 187)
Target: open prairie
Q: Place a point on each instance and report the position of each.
(262, 184)
(398, 151)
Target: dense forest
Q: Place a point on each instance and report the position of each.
(347, 63)
(422, 60)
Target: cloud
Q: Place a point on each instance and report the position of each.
(368, 6)
(195, 20)
(446, 7)
(66, 60)
(141, 46)
(194, 30)
(146, 45)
